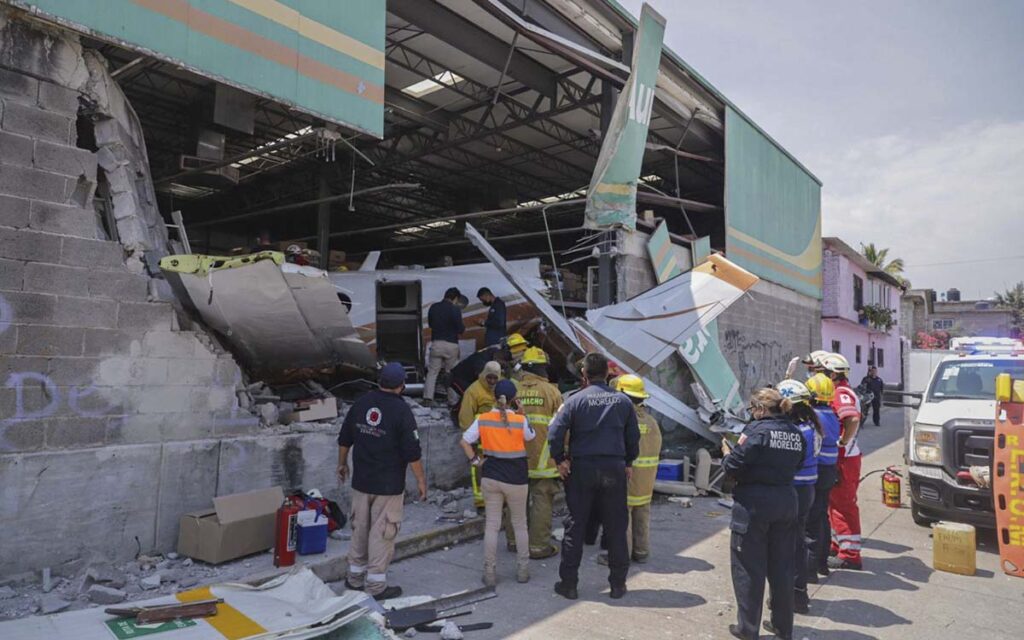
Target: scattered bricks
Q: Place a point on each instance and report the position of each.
(32, 183)
(13, 211)
(118, 285)
(15, 149)
(41, 340)
(168, 344)
(106, 342)
(144, 315)
(107, 575)
(69, 221)
(70, 161)
(12, 273)
(80, 252)
(150, 582)
(126, 203)
(100, 594)
(28, 307)
(52, 278)
(50, 603)
(73, 432)
(18, 86)
(29, 245)
(56, 98)
(85, 312)
(39, 124)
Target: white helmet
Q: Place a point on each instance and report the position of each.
(835, 363)
(814, 358)
(794, 390)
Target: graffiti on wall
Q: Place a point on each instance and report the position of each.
(758, 362)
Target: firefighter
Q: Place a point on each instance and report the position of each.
(844, 514)
(502, 434)
(804, 482)
(381, 432)
(539, 400)
(516, 345)
(819, 531)
(479, 398)
(640, 489)
(764, 462)
(603, 442)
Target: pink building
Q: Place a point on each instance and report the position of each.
(860, 310)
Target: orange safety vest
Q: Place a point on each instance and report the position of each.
(498, 440)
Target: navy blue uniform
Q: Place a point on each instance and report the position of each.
(381, 431)
(818, 530)
(604, 438)
(445, 322)
(494, 325)
(804, 482)
(764, 520)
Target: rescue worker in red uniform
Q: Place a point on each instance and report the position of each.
(844, 514)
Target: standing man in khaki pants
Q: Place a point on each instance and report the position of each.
(381, 432)
(445, 321)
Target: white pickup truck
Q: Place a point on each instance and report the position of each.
(953, 430)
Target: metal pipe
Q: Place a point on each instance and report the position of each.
(654, 198)
(306, 203)
(452, 243)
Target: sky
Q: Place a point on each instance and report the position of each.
(911, 114)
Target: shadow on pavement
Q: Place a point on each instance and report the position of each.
(858, 613)
(888, 547)
(675, 564)
(887, 578)
(658, 598)
(832, 634)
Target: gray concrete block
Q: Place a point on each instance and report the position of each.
(144, 315)
(32, 121)
(69, 161)
(80, 252)
(41, 340)
(118, 285)
(212, 399)
(28, 307)
(169, 344)
(126, 371)
(65, 220)
(19, 436)
(189, 371)
(67, 371)
(56, 98)
(188, 482)
(12, 274)
(235, 423)
(163, 399)
(18, 86)
(75, 432)
(104, 342)
(53, 278)
(226, 372)
(15, 149)
(101, 492)
(85, 312)
(293, 462)
(32, 183)
(30, 246)
(19, 364)
(8, 337)
(14, 212)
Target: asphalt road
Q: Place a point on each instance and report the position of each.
(685, 590)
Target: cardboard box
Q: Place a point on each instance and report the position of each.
(238, 525)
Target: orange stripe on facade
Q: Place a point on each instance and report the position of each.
(233, 35)
(736, 251)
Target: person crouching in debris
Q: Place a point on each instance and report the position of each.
(640, 489)
(603, 442)
(764, 462)
(502, 433)
(381, 431)
(478, 399)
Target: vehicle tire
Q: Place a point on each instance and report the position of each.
(920, 519)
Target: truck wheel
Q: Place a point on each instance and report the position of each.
(920, 519)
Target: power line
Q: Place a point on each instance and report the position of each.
(943, 264)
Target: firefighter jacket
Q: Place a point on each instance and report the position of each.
(479, 398)
(539, 400)
(645, 467)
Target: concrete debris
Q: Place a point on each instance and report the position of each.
(187, 562)
(341, 534)
(558, 534)
(469, 514)
(6, 592)
(172, 556)
(189, 582)
(410, 633)
(151, 582)
(47, 581)
(682, 501)
(106, 575)
(52, 603)
(270, 414)
(450, 631)
(105, 595)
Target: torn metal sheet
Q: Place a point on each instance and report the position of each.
(275, 315)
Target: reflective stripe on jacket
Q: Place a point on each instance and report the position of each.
(539, 400)
(499, 439)
(808, 472)
(645, 466)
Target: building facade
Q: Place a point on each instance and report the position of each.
(925, 313)
(860, 313)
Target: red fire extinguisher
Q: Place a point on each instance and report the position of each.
(284, 534)
(891, 490)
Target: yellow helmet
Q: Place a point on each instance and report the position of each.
(822, 387)
(515, 340)
(535, 355)
(632, 386)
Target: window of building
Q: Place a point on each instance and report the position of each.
(858, 293)
(944, 323)
(836, 346)
(871, 357)
(881, 358)
(856, 353)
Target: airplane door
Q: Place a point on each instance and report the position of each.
(399, 324)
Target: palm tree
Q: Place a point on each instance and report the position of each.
(1013, 299)
(877, 257)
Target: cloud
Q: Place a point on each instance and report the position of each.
(953, 197)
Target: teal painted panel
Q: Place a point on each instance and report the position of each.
(772, 210)
(322, 56)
